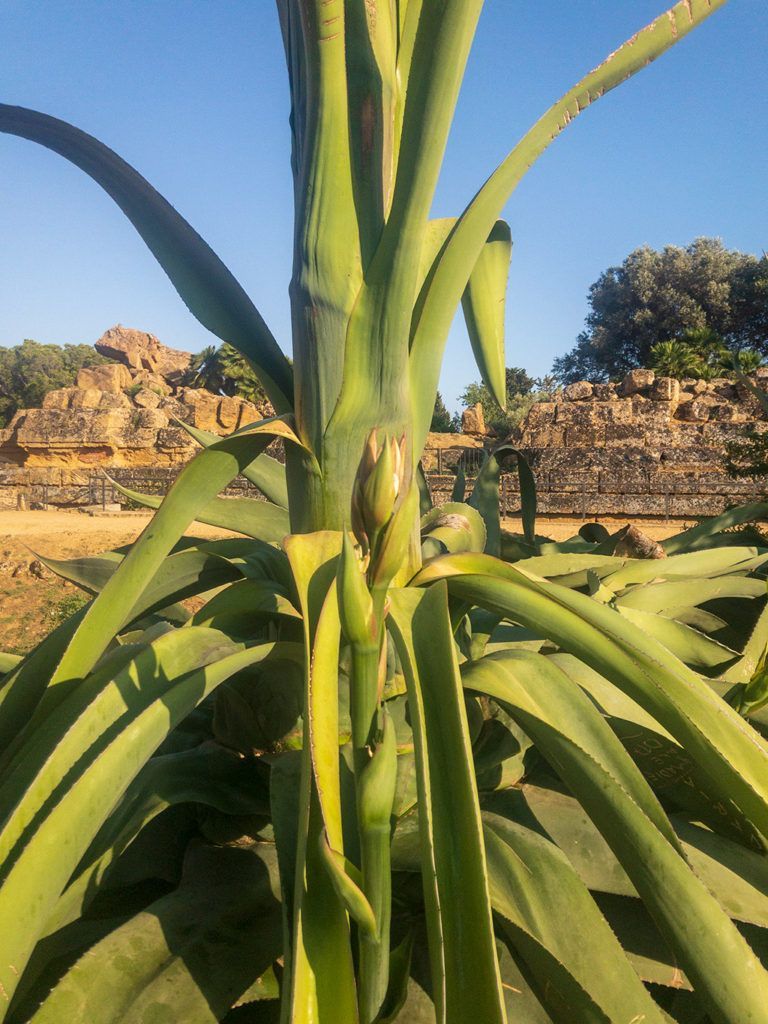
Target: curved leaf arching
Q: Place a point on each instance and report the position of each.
(207, 287)
(465, 243)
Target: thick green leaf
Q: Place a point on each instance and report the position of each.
(694, 924)
(485, 497)
(87, 772)
(203, 478)
(188, 957)
(686, 643)
(555, 927)
(265, 472)
(659, 597)
(465, 973)
(484, 303)
(462, 249)
(717, 738)
(700, 535)
(208, 289)
(452, 527)
(259, 519)
(319, 974)
(208, 774)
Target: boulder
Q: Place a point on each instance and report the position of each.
(637, 380)
(665, 389)
(605, 392)
(577, 391)
(473, 420)
(228, 412)
(107, 377)
(141, 351)
(58, 399)
(86, 398)
(147, 399)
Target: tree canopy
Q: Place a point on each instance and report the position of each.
(657, 296)
(225, 371)
(30, 370)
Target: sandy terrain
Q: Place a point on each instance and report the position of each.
(34, 602)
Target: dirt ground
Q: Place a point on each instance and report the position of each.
(34, 600)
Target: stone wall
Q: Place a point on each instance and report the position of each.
(123, 413)
(650, 446)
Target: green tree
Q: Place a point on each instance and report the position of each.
(656, 296)
(225, 371)
(442, 421)
(30, 370)
(522, 391)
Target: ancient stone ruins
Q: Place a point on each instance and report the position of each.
(120, 415)
(650, 446)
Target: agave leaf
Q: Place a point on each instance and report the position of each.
(208, 774)
(239, 609)
(700, 535)
(319, 975)
(689, 917)
(484, 304)
(208, 289)
(259, 519)
(43, 849)
(265, 472)
(203, 478)
(754, 650)
(465, 973)
(485, 497)
(8, 662)
(686, 643)
(461, 251)
(181, 575)
(659, 597)
(189, 956)
(731, 752)
(452, 527)
(737, 877)
(537, 892)
(690, 566)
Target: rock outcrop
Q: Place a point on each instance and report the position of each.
(123, 413)
(648, 446)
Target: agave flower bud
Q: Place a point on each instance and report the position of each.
(378, 484)
(378, 779)
(355, 604)
(392, 549)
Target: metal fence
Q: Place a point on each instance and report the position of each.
(97, 489)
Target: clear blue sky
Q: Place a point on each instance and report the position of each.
(193, 94)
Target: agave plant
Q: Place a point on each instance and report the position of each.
(398, 765)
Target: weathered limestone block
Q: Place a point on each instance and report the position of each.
(695, 505)
(695, 411)
(200, 409)
(580, 481)
(621, 433)
(228, 412)
(107, 377)
(577, 391)
(681, 482)
(473, 421)
(153, 381)
(142, 351)
(541, 413)
(579, 436)
(86, 398)
(666, 389)
(605, 392)
(543, 437)
(700, 387)
(141, 428)
(649, 413)
(632, 481)
(58, 399)
(114, 400)
(176, 439)
(636, 380)
(249, 413)
(147, 399)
